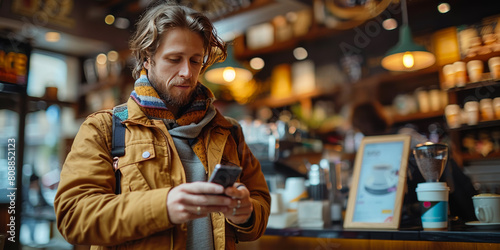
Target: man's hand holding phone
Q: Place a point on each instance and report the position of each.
(195, 200)
(225, 175)
(241, 206)
(242, 210)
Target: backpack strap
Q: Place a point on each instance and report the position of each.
(118, 141)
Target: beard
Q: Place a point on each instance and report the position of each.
(164, 88)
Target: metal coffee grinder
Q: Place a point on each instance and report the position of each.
(433, 195)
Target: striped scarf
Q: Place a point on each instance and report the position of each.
(150, 103)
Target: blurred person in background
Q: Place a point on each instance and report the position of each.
(174, 138)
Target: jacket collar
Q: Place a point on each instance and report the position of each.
(221, 121)
(135, 115)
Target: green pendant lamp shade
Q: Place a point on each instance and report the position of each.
(406, 55)
(228, 71)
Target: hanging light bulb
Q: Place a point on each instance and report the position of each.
(406, 55)
(408, 60)
(228, 71)
(229, 74)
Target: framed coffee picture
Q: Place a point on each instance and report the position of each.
(378, 184)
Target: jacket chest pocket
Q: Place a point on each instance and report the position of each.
(230, 155)
(142, 169)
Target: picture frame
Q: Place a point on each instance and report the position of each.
(379, 182)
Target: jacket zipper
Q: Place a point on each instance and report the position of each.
(206, 147)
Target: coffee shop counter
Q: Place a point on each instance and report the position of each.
(336, 237)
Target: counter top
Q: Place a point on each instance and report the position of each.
(459, 233)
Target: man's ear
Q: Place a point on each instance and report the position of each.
(147, 64)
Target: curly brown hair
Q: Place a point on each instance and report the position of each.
(161, 18)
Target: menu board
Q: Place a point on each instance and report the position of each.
(377, 185)
(379, 181)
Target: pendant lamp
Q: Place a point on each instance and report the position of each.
(407, 55)
(228, 71)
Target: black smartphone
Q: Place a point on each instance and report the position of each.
(225, 175)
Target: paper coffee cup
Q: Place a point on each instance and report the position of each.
(487, 207)
(475, 70)
(449, 76)
(433, 198)
(486, 107)
(295, 190)
(460, 73)
(496, 107)
(471, 109)
(423, 100)
(453, 115)
(494, 65)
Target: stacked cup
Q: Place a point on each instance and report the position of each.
(475, 70)
(455, 74)
(471, 111)
(486, 108)
(460, 73)
(449, 76)
(453, 115)
(494, 65)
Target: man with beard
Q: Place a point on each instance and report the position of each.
(174, 138)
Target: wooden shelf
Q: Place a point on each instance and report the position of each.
(401, 76)
(100, 85)
(474, 85)
(348, 156)
(476, 157)
(375, 79)
(417, 116)
(50, 101)
(37, 103)
(483, 124)
(483, 57)
(272, 102)
(315, 33)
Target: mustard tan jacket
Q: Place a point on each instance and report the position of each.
(90, 213)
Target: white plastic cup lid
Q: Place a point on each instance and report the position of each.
(432, 186)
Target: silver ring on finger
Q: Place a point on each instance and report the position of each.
(234, 211)
(239, 204)
(198, 210)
